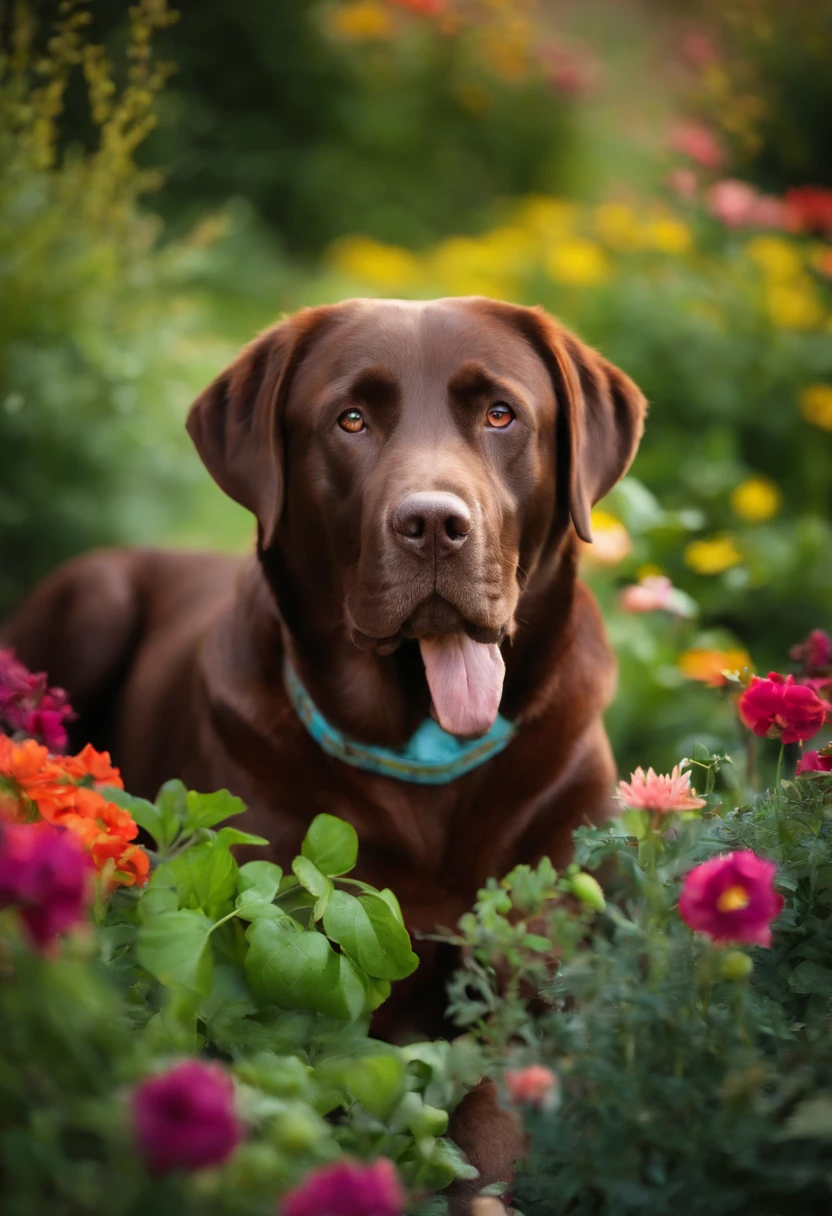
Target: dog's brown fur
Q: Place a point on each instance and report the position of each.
(175, 661)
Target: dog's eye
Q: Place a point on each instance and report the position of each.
(352, 421)
(499, 416)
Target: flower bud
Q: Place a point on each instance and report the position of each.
(588, 891)
(736, 965)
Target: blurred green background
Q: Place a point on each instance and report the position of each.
(656, 174)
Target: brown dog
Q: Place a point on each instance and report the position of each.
(419, 472)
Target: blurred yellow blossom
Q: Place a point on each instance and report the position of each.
(756, 499)
(668, 235)
(708, 665)
(617, 225)
(577, 262)
(610, 540)
(816, 405)
(776, 257)
(364, 19)
(548, 217)
(648, 570)
(713, 555)
(387, 266)
(793, 305)
(463, 266)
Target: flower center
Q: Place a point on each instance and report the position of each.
(733, 899)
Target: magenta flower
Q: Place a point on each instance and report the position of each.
(184, 1119)
(347, 1188)
(814, 762)
(814, 653)
(778, 708)
(659, 792)
(732, 898)
(29, 707)
(45, 874)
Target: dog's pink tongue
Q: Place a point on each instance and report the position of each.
(465, 680)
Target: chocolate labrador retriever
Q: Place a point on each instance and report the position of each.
(410, 647)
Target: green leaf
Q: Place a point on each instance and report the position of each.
(311, 878)
(206, 810)
(226, 837)
(172, 804)
(146, 815)
(331, 844)
(297, 968)
(376, 1081)
(367, 930)
(392, 903)
(204, 875)
(172, 947)
(257, 883)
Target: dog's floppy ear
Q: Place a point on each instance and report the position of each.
(235, 423)
(600, 414)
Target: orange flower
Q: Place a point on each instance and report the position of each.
(708, 666)
(90, 763)
(23, 762)
(133, 866)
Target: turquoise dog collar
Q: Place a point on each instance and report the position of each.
(430, 757)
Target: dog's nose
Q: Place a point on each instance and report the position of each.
(431, 524)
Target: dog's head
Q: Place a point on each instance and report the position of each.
(421, 460)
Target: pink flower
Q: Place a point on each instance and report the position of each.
(732, 898)
(184, 1119)
(28, 706)
(777, 708)
(698, 143)
(699, 48)
(732, 202)
(651, 594)
(44, 873)
(683, 182)
(347, 1188)
(814, 653)
(533, 1086)
(659, 793)
(814, 762)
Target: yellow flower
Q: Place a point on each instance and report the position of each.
(577, 262)
(668, 235)
(385, 266)
(648, 570)
(617, 225)
(712, 556)
(364, 19)
(548, 217)
(610, 540)
(756, 499)
(793, 305)
(708, 665)
(776, 258)
(816, 405)
(466, 267)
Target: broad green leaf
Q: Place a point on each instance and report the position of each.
(311, 878)
(172, 947)
(205, 876)
(367, 930)
(331, 844)
(226, 837)
(146, 815)
(206, 810)
(297, 968)
(158, 896)
(257, 883)
(376, 1081)
(172, 804)
(393, 904)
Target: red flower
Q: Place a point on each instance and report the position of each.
(814, 653)
(732, 898)
(814, 762)
(532, 1086)
(185, 1118)
(45, 873)
(347, 1189)
(810, 208)
(777, 708)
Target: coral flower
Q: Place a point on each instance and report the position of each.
(185, 1118)
(732, 898)
(650, 595)
(533, 1086)
(778, 708)
(709, 666)
(659, 792)
(347, 1188)
(45, 873)
(814, 762)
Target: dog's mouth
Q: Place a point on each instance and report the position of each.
(463, 665)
